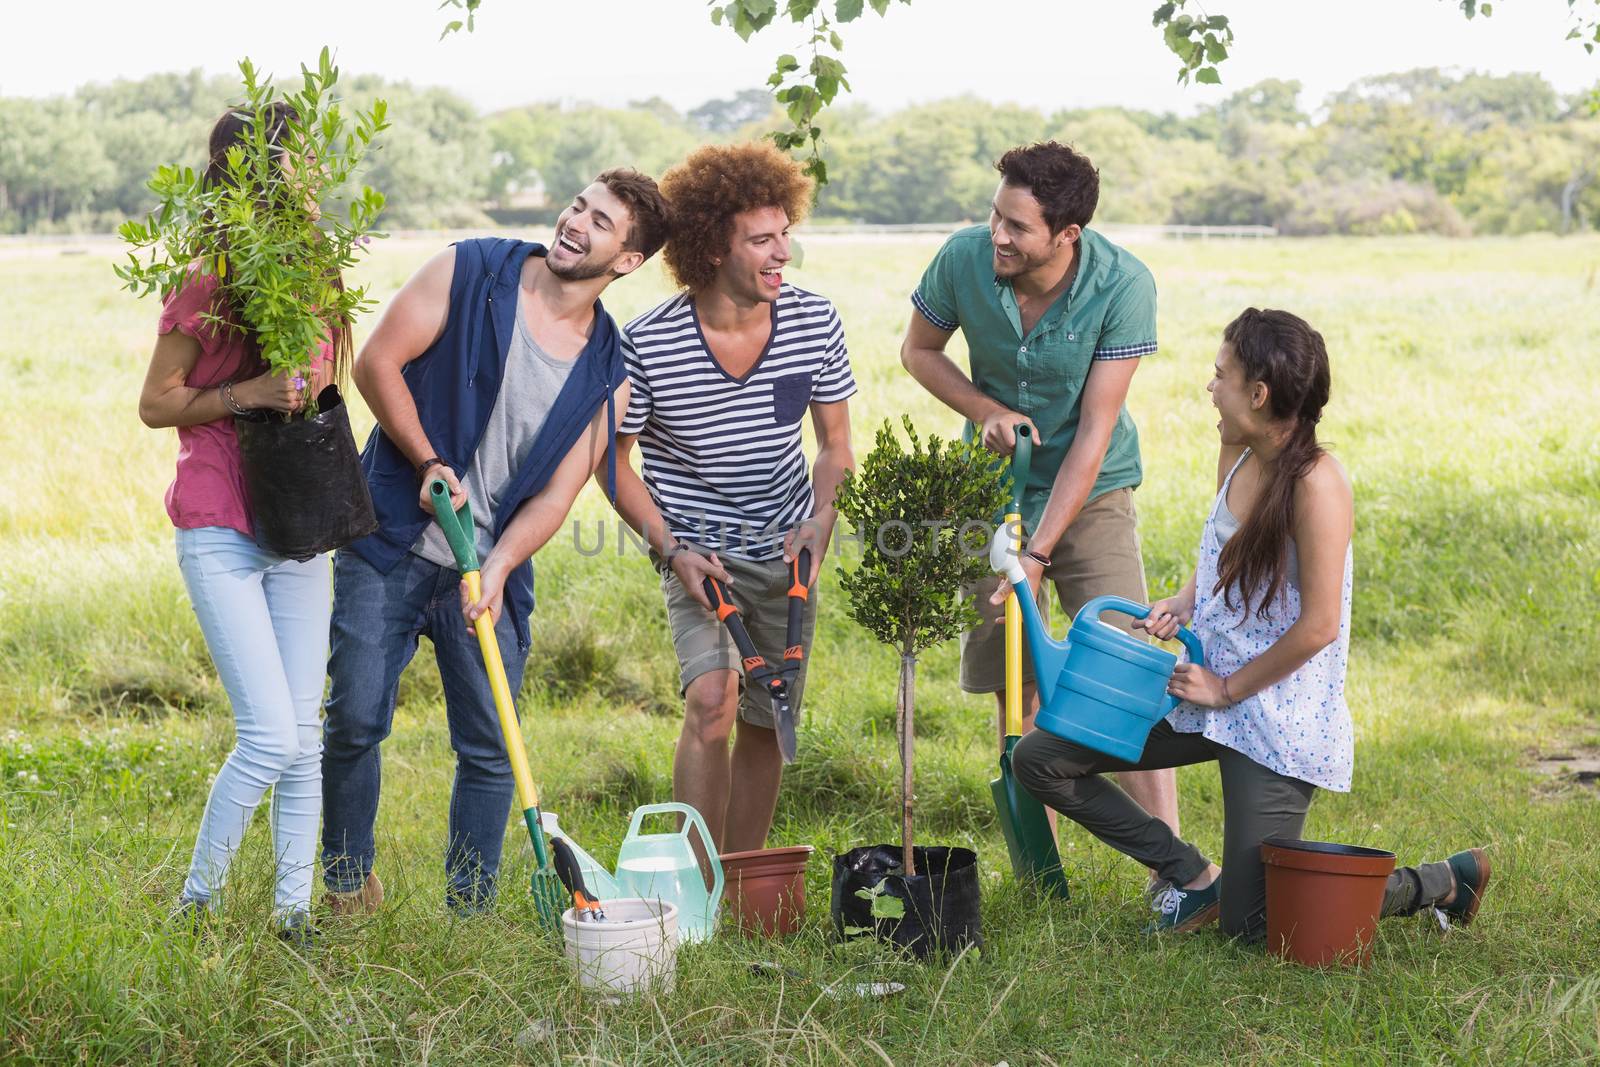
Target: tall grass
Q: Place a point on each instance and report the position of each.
(1466, 407)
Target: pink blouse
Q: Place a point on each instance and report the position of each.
(208, 489)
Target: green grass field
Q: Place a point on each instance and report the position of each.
(1466, 408)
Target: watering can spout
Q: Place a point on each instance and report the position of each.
(1049, 655)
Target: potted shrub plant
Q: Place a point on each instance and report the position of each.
(277, 232)
(924, 515)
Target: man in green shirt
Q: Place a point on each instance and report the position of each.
(1056, 319)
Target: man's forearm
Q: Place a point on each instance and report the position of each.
(385, 392)
(529, 530)
(1074, 482)
(939, 375)
(1071, 489)
(639, 511)
(826, 474)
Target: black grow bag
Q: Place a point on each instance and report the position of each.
(303, 477)
(941, 900)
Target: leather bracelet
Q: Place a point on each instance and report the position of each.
(428, 464)
(226, 389)
(1039, 558)
(1226, 699)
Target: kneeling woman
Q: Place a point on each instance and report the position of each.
(1270, 600)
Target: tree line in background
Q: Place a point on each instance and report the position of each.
(1424, 151)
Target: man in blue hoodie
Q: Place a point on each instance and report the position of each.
(497, 369)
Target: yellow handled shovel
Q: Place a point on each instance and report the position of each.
(1034, 855)
(549, 896)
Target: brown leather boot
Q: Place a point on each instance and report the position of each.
(363, 901)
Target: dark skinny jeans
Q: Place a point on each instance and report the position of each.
(1257, 803)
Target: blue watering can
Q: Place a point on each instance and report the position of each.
(1102, 687)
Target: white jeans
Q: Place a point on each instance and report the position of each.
(265, 621)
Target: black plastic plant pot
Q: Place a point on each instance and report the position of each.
(303, 477)
(940, 900)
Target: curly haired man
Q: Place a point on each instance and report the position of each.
(723, 374)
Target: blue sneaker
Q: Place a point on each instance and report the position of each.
(1182, 911)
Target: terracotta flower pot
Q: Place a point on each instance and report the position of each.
(766, 889)
(1323, 900)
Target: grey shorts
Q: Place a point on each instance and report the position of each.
(760, 590)
(1099, 554)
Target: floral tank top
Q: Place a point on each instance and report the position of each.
(1300, 726)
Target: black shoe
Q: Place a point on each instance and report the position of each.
(298, 931)
(188, 915)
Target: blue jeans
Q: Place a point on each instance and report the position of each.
(377, 619)
(265, 621)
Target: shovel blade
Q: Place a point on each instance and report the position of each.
(1034, 856)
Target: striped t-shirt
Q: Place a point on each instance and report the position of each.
(722, 455)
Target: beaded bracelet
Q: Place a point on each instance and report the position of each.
(226, 389)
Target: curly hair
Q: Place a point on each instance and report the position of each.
(714, 184)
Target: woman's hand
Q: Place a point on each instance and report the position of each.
(1197, 685)
(492, 585)
(1166, 616)
(278, 392)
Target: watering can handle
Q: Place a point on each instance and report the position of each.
(691, 817)
(1197, 653)
(456, 525)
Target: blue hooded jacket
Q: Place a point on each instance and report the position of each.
(455, 384)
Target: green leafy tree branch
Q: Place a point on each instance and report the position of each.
(275, 232)
(1198, 39)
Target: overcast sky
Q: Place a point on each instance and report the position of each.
(1043, 53)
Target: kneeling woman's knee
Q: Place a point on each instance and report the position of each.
(1046, 765)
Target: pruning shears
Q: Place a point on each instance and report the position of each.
(585, 907)
(777, 681)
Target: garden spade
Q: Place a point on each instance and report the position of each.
(1034, 856)
(549, 896)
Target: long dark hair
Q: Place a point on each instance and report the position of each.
(1283, 352)
(234, 125)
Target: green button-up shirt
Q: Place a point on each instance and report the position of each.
(1109, 312)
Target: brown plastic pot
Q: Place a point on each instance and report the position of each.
(766, 889)
(1323, 900)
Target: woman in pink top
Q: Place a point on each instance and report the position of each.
(264, 617)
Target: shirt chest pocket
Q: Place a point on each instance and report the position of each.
(1062, 356)
(790, 395)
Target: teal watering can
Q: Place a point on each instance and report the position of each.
(1102, 687)
(665, 867)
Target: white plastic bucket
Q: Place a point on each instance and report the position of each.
(635, 948)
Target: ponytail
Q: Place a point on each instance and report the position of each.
(1283, 352)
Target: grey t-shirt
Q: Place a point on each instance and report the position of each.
(533, 378)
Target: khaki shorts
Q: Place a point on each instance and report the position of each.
(760, 591)
(1099, 554)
